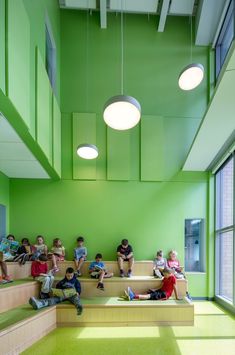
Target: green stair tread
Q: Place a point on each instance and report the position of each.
(16, 315)
(17, 282)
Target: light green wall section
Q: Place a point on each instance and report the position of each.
(44, 109)
(2, 45)
(18, 54)
(118, 154)
(84, 131)
(152, 148)
(197, 283)
(56, 136)
(211, 236)
(5, 196)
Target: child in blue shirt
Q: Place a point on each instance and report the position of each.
(80, 254)
(97, 271)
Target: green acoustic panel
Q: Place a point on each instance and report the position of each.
(56, 136)
(2, 45)
(18, 55)
(118, 154)
(43, 108)
(84, 131)
(152, 148)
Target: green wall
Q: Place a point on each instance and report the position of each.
(131, 199)
(5, 196)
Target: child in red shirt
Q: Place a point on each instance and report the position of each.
(39, 270)
(164, 291)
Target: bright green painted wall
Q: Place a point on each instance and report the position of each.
(5, 196)
(2, 45)
(105, 211)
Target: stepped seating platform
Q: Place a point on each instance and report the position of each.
(22, 326)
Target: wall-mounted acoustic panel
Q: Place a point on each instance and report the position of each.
(43, 108)
(56, 136)
(84, 132)
(18, 35)
(78, 4)
(118, 154)
(152, 148)
(2, 45)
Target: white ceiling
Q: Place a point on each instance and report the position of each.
(218, 124)
(16, 160)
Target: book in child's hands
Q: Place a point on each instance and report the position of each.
(66, 293)
(98, 268)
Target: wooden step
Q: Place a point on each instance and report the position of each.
(17, 293)
(115, 286)
(111, 311)
(17, 336)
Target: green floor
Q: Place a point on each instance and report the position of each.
(213, 333)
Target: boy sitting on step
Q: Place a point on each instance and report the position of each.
(97, 271)
(80, 254)
(163, 292)
(39, 271)
(159, 265)
(68, 289)
(125, 253)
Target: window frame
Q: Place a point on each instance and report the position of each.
(49, 37)
(202, 247)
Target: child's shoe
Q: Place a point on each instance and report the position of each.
(78, 273)
(129, 274)
(55, 269)
(130, 294)
(157, 274)
(7, 279)
(188, 296)
(100, 286)
(79, 309)
(44, 296)
(122, 274)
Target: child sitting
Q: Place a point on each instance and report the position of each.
(24, 252)
(8, 247)
(174, 264)
(159, 264)
(125, 253)
(57, 253)
(39, 270)
(97, 271)
(163, 292)
(80, 254)
(39, 248)
(69, 283)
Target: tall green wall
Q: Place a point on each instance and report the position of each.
(121, 195)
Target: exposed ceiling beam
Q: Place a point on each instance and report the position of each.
(163, 15)
(103, 13)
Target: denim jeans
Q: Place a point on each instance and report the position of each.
(47, 282)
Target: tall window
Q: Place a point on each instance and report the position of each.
(50, 56)
(225, 38)
(225, 230)
(194, 245)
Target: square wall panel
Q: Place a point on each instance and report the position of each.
(147, 6)
(181, 7)
(80, 4)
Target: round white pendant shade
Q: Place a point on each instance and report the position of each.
(87, 151)
(191, 76)
(122, 112)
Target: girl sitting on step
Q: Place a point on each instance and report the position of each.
(24, 252)
(57, 253)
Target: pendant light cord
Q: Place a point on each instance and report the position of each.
(122, 49)
(191, 39)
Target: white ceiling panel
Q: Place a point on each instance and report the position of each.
(181, 7)
(217, 127)
(79, 4)
(23, 169)
(7, 134)
(16, 160)
(147, 6)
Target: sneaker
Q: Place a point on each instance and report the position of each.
(129, 274)
(78, 273)
(2, 281)
(189, 297)
(44, 296)
(122, 274)
(100, 286)
(79, 310)
(34, 303)
(125, 297)
(55, 269)
(131, 294)
(7, 279)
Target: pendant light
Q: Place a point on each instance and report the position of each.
(122, 112)
(192, 75)
(86, 150)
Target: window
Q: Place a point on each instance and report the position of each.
(50, 56)
(2, 221)
(194, 245)
(225, 230)
(225, 38)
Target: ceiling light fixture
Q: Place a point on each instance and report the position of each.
(122, 112)
(192, 75)
(87, 151)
